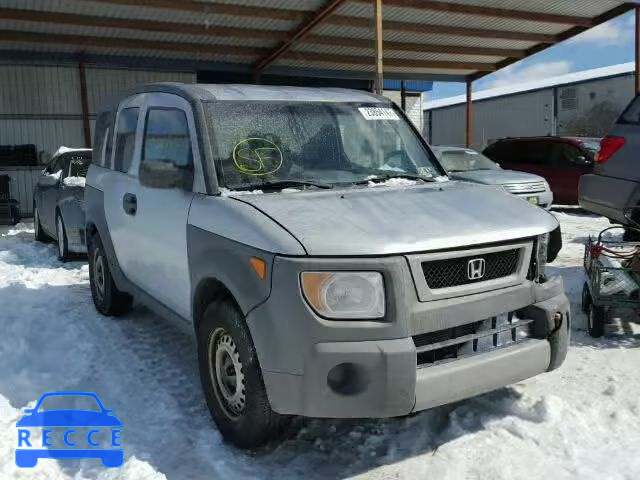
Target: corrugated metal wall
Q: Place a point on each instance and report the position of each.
(582, 109)
(528, 114)
(41, 104)
(23, 179)
(590, 108)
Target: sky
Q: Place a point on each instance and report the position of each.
(608, 44)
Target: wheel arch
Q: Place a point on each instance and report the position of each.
(208, 291)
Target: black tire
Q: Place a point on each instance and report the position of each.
(246, 419)
(586, 299)
(107, 299)
(38, 233)
(62, 243)
(15, 215)
(596, 319)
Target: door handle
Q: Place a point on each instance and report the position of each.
(130, 203)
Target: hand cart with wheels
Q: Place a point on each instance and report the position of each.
(612, 276)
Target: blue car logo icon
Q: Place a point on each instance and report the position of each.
(70, 419)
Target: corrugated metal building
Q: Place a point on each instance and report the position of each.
(582, 104)
(42, 105)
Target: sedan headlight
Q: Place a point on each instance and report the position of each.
(345, 295)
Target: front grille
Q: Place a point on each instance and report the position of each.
(453, 272)
(534, 187)
(477, 337)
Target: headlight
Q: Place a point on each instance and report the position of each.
(542, 246)
(344, 294)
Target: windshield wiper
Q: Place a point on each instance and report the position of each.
(280, 184)
(384, 178)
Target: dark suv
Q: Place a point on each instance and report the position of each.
(560, 160)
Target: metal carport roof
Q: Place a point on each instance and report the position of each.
(439, 40)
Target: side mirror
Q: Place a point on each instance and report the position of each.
(48, 180)
(164, 174)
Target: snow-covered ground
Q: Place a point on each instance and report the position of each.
(580, 421)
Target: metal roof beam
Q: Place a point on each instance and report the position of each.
(492, 12)
(127, 43)
(82, 41)
(232, 32)
(320, 15)
(213, 8)
(572, 32)
(413, 27)
(411, 47)
(389, 62)
(138, 24)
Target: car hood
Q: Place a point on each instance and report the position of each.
(496, 177)
(385, 220)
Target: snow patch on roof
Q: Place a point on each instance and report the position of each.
(64, 149)
(558, 80)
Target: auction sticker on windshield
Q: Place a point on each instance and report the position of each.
(378, 113)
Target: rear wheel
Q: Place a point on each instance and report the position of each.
(106, 297)
(596, 319)
(38, 234)
(232, 380)
(63, 248)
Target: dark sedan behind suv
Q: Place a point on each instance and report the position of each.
(58, 201)
(560, 160)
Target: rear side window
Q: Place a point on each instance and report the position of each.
(532, 153)
(632, 113)
(126, 138)
(103, 139)
(166, 137)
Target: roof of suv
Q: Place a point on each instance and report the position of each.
(242, 92)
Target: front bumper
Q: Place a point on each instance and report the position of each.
(319, 368)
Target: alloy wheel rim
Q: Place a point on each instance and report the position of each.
(98, 267)
(36, 221)
(227, 373)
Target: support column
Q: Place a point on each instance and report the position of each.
(637, 50)
(86, 125)
(469, 128)
(403, 95)
(377, 8)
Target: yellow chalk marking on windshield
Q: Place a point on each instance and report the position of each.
(257, 156)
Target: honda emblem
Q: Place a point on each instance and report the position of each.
(475, 269)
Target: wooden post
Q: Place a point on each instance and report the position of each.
(403, 95)
(85, 105)
(637, 50)
(469, 130)
(377, 7)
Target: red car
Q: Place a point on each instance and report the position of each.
(560, 160)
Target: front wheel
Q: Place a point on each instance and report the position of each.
(232, 380)
(107, 299)
(63, 247)
(38, 234)
(596, 319)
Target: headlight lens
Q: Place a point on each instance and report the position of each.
(542, 245)
(346, 295)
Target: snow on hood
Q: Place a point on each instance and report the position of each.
(75, 181)
(414, 218)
